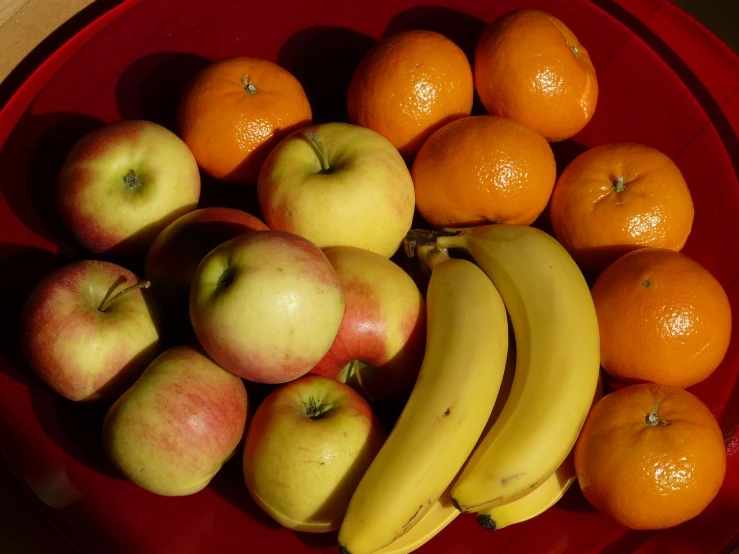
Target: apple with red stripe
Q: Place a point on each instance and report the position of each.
(173, 430)
(176, 252)
(266, 306)
(120, 185)
(380, 345)
(88, 331)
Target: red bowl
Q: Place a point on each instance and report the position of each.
(665, 81)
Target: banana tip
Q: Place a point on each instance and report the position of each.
(486, 522)
(343, 550)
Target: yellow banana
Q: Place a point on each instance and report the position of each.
(446, 413)
(536, 502)
(443, 512)
(557, 367)
(541, 498)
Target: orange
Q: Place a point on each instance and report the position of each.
(663, 318)
(531, 67)
(483, 169)
(409, 85)
(234, 111)
(651, 456)
(617, 197)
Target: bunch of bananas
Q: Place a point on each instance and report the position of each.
(469, 440)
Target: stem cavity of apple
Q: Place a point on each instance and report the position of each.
(131, 179)
(106, 303)
(321, 149)
(248, 86)
(316, 410)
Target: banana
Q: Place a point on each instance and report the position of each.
(446, 412)
(441, 514)
(557, 366)
(443, 511)
(542, 497)
(536, 502)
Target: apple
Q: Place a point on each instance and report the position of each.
(338, 184)
(176, 252)
(88, 331)
(176, 426)
(380, 344)
(266, 306)
(120, 185)
(307, 447)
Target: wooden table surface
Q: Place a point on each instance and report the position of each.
(24, 24)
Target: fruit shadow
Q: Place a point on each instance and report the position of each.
(150, 88)
(229, 484)
(31, 159)
(709, 105)
(21, 268)
(323, 59)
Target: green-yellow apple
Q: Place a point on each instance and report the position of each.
(338, 184)
(307, 447)
(180, 247)
(176, 426)
(266, 306)
(120, 185)
(88, 331)
(380, 344)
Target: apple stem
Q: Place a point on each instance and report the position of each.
(248, 86)
(322, 157)
(131, 179)
(105, 303)
(315, 410)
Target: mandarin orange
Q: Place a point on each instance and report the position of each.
(530, 66)
(651, 456)
(409, 85)
(234, 111)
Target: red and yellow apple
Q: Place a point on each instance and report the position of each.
(120, 185)
(181, 246)
(338, 184)
(266, 306)
(88, 331)
(307, 447)
(380, 345)
(175, 427)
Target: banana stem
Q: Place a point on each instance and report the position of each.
(452, 241)
(431, 255)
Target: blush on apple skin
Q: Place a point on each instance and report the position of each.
(176, 252)
(68, 342)
(250, 326)
(93, 215)
(178, 424)
(383, 327)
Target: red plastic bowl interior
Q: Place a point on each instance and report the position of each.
(664, 81)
